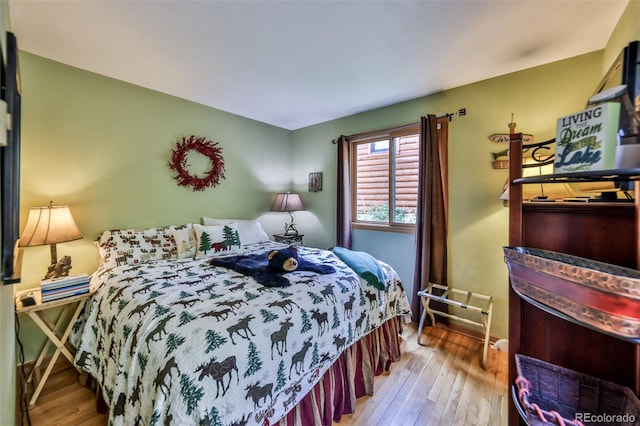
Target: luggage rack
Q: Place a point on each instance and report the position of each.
(475, 302)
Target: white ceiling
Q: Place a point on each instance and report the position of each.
(298, 63)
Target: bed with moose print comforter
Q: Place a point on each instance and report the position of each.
(183, 342)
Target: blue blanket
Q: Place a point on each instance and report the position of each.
(257, 266)
(363, 264)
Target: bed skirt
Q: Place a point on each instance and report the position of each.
(349, 378)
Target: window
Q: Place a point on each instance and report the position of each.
(378, 147)
(385, 179)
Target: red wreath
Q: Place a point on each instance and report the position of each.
(207, 148)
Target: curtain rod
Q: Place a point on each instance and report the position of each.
(461, 112)
(375, 132)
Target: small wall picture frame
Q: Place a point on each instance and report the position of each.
(315, 182)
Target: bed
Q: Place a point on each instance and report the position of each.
(172, 338)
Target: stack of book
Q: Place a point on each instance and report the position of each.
(63, 287)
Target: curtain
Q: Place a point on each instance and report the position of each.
(431, 220)
(343, 218)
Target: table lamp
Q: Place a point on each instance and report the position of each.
(288, 202)
(51, 225)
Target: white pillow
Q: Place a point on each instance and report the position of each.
(185, 241)
(251, 231)
(217, 240)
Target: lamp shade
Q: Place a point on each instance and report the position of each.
(49, 225)
(287, 202)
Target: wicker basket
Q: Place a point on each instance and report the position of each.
(594, 294)
(554, 395)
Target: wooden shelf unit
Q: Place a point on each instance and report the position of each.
(607, 232)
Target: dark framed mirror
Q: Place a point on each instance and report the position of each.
(10, 163)
(631, 72)
(625, 70)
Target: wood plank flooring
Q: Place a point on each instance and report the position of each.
(437, 383)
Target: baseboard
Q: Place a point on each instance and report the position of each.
(28, 366)
(467, 331)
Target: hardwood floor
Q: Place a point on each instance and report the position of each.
(63, 401)
(438, 383)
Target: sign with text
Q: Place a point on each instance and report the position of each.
(587, 140)
(504, 138)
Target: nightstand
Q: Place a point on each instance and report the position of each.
(71, 308)
(288, 238)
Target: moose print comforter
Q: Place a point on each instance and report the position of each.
(183, 342)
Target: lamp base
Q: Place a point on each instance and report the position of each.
(59, 269)
(290, 229)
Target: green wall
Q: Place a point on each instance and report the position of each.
(102, 146)
(627, 29)
(478, 219)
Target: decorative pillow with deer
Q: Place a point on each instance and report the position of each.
(216, 240)
(134, 246)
